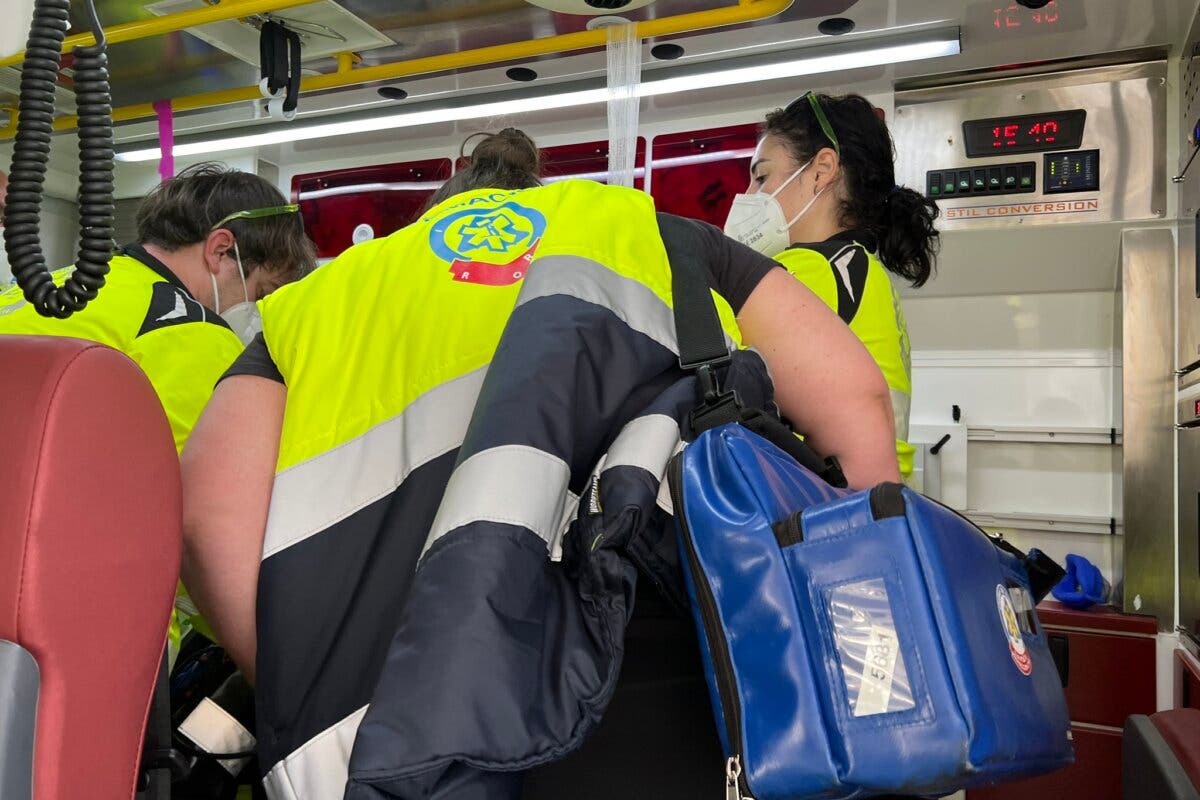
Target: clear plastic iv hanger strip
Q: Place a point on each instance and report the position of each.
(624, 75)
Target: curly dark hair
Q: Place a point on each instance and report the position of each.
(898, 218)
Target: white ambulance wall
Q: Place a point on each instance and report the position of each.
(130, 179)
(1025, 361)
(60, 213)
(60, 231)
(135, 180)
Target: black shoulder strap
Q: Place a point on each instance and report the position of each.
(697, 326)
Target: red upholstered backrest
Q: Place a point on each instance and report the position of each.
(89, 553)
(1180, 728)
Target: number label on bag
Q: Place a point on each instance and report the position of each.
(870, 647)
(879, 667)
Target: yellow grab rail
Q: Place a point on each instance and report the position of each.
(169, 23)
(744, 11)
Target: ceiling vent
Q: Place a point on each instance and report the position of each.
(590, 7)
(325, 28)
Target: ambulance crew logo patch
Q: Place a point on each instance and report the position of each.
(489, 241)
(1008, 619)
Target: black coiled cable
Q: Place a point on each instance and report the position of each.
(31, 152)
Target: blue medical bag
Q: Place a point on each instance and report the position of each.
(858, 643)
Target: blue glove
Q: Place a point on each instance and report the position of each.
(1083, 585)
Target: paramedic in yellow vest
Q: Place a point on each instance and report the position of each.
(314, 475)
(181, 300)
(824, 203)
(395, 319)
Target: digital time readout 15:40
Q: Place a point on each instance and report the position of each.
(1039, 132)
(1024, 133)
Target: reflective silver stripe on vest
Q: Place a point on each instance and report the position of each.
(647, 442)
(512, 484)
(901, 404)
(314, 494)
(318, 769)
(590, 281)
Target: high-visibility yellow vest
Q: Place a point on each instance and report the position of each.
(145, 312)
(366, 334)
(853, 282)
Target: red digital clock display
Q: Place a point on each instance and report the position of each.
(1010, 16)
(1038, 131)
(1027, 133)
(1009, 20)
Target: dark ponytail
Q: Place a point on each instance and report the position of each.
(505, 160)
(899, 219)
(908, 242)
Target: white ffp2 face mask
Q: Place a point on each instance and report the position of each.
(245, 321)
(243, 318)
(757, 220)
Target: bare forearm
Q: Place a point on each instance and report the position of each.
(222, 580)
(825, 380)
(862, 436)
(228, 473)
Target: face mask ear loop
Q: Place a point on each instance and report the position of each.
(242, 273)
(807, 206)
(791, 178)
(216, 293)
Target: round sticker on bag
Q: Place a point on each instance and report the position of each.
(1012, 632)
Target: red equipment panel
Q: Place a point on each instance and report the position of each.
(386, 196)
(697, 173)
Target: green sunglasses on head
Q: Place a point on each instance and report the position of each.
(822, 120)
(257, 213)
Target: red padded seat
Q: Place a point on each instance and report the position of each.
(89, 553)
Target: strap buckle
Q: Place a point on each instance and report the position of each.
(716, 407)
(1043, 572)
(696, 366)
(710, 384)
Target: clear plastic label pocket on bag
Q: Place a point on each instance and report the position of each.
(868, 645)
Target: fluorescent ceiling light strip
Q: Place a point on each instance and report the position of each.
(945, 45)
(602, 175)
(406, 120)
(812, 65)
(358, 188)
(703, 158)
(638, 172)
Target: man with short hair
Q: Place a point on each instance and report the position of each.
(212, 241)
